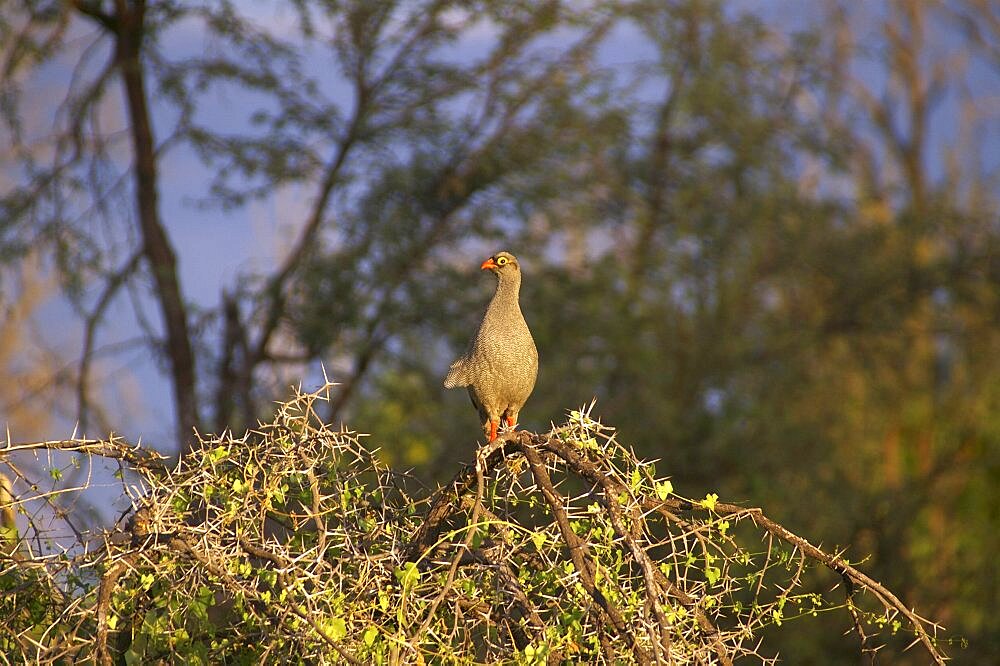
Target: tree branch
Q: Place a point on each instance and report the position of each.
(111, 286)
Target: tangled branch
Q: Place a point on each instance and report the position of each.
(296, 541)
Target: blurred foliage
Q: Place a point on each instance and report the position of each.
(27, 366)
(770, 252)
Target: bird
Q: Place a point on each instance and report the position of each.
(500, 365)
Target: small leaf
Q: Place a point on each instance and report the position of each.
(371, 633)
(663, 489)
(408, 575)
(338, 628)
(709, 501)
(279, 493)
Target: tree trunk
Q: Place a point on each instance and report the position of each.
(156, 244)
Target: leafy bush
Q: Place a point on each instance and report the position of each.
(294, 543)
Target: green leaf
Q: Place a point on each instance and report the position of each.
(338, 628)
(408, 575)
(710, 501)
(371, 633)
(663, 489)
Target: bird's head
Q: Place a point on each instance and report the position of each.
(502, 264)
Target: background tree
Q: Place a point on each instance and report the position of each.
(761, 246)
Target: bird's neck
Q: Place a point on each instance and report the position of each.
(508, 289)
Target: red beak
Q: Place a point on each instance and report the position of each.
(489, 263)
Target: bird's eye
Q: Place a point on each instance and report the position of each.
(501, 261)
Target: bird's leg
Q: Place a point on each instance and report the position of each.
(510, 421)
(493, 429)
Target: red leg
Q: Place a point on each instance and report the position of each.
(493, 429)
(510, 421)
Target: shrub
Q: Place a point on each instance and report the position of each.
(294, 543)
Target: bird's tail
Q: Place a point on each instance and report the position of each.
(457, 376)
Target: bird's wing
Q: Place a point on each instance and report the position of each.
(457, 375)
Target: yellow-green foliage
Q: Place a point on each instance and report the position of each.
(294, 544)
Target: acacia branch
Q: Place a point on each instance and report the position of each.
(601, 557)
(578, 549)
(844, 569)
(182, 545)
(108, 582)
(654, 578)
(448, 500)
(114, 448)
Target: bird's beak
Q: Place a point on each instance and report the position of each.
(489, 264)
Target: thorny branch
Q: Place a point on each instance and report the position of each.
(563, 544)
(443, 505)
